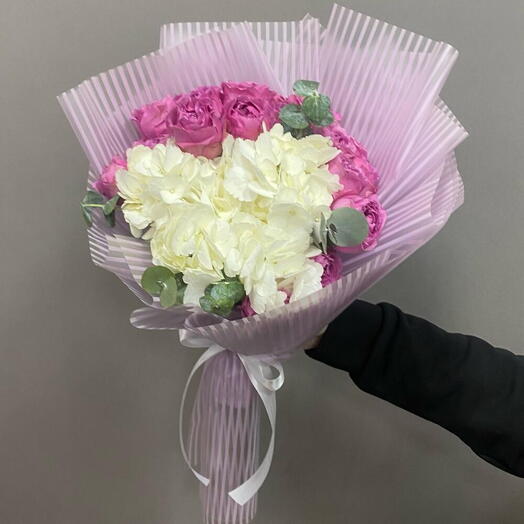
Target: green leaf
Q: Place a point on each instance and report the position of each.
(210, 306)
(327, 120)
(347, 227)
(169, 295)
(86, 213)
(320, 233)
(110, 219)
(287, 129)
(305, 87)
(220, 298)
(154, 279)
(323, 233)
(181, 288)
(301, 133)
(291, 115)
(93, 198)
(110, 205)
(230, 289)
(317, 108)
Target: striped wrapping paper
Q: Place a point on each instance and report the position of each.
(385, 83)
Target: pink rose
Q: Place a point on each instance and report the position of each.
(247, 106)
(374, 213)
(197, 122)
(346, 143)
(356, 174)
(332, 265)
(294, 99)
(152, 119)
(149, 142)
(106, 184)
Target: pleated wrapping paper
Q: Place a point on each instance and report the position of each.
(385, 83)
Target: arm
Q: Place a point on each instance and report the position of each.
(457, 381)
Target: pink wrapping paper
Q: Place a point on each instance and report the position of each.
(385, 82)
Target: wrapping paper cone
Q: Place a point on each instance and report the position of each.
(385, 83)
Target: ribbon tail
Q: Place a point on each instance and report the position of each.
(229, 391)
(266, 389)
(250, 487)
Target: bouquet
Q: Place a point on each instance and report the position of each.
(247, 182)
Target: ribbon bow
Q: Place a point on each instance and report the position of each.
(259, 371)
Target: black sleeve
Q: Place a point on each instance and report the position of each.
(458, 381)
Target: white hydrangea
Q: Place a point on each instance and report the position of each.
(249, 213)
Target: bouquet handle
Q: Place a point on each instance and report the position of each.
(265, 377)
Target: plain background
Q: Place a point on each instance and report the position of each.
(88, 404)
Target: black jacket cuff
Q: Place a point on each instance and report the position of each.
(349, 339)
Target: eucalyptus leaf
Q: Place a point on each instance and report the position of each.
(317, 108)
(228, 290)
(110, 205)
(287, 129)
(323, 233)
(305, 87)
(292, 116)
(320, 233)
(93, 198)
(220, 298)
(297, 133)
(347, 227)
(316, 233)
(301, 133)
(168, 295)
(327, 120)
(181, 288)
(110, 219)
(86, 213)
(154, 279)
(210, 306)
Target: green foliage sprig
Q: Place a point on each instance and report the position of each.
(221, 298)
(93, 200)
(315, 109)
(345, 227)
(160, 281)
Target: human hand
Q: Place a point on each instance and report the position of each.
(314, 342)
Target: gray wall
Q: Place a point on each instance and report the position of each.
(88, 404)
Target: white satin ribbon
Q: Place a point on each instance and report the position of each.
(258, 371)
